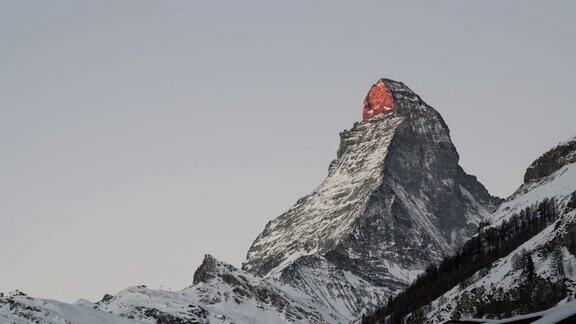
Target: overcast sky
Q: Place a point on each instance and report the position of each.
(136, 136)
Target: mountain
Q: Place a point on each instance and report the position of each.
(522, 261)
(220, 293)
(394, 201)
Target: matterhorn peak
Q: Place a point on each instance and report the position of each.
(394, 201)
(378, 101)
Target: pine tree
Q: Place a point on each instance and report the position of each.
(558, 262)
(572, 203)
(529, 266)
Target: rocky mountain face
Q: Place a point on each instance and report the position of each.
(395, 200)
(522, 262)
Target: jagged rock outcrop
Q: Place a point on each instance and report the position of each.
(549, 162)
(395, 199)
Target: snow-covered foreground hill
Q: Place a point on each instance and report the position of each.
(552, 250)
(18, 308)
(220, 294)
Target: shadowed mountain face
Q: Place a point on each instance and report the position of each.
(522, 261)
(395, 199)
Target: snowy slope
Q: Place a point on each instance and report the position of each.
(565, 311)
(19, 308)
(340, 291)
(312, 292)
(503, 282)
(222, 294)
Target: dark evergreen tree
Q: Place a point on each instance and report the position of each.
(530, 272)
(572, 203)
(558, 262)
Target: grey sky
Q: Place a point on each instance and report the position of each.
(135, 136)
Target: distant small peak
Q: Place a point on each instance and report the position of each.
(106, 298)
(209, 258)
(206, 271)
(378, 101)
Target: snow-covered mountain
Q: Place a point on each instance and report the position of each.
(395, 200)
(523, 261)
(220, 293)
(551, 178)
